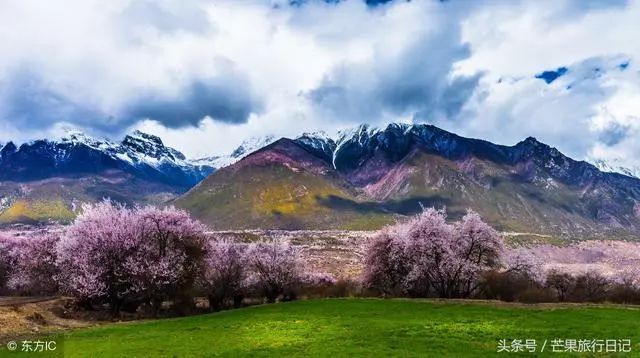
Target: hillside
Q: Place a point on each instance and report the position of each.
(367, 177)
(280, 186)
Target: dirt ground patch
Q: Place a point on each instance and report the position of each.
(29, 316)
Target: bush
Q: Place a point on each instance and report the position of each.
(625, 288)
(560, 283)
(506, 285)
(535, 295)
(590, 287)
(317, 284)
(349, 288)
(318, 279)
(514, 285)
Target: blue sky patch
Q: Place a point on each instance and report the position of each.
(550, 76)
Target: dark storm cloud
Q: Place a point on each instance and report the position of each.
(226, 98)
(417, 82)
(31, 103)
(454, 96)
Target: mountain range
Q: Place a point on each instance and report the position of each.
(366, 177)
(362, 178)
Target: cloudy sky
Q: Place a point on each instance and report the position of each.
(204, 75)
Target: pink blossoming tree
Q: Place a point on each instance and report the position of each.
(386, 262)
(275, 268)
(168, 255)
(93, 254)
(35, 265)
(225, 272)
(126, 256)
(426, 255)
(7, 260)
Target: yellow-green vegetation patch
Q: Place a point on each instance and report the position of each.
(276, 196)
(535, 240)
(37, 211)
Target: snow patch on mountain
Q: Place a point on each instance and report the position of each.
(319, 140)
(359, 134)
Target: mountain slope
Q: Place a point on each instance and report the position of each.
(376, 175)
(279, 186)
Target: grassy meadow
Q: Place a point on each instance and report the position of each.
(359, 327)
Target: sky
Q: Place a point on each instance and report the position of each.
(205, 75)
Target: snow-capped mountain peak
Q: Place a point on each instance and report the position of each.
(77, 137)
(246, 147)
(359, 133)
(148, 148)
(252, 144)
(74, 153)
(616, 166)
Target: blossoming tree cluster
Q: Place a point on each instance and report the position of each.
(128, 258)
(264, 269)
(131, 256)
(427, 256)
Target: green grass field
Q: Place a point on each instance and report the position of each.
(356, 327)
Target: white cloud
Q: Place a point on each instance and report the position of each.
(468, 67)
(577, 112)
